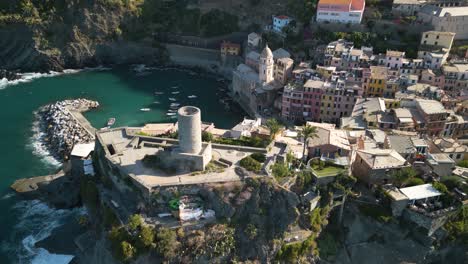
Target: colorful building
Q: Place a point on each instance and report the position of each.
(279, 22)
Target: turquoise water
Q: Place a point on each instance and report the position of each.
(121, 94)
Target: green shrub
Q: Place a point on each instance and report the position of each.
(251, 231)
(250, 164)
(414, 182)
(451, 181)
(440, 187)
(463, 163)
(260, 157)
(280, 170)
(207, 136)
(457, 226)
(377, 212)
(166, 243)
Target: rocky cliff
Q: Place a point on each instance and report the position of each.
(82, 33)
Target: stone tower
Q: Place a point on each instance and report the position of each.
(266, 65)
(189, 122)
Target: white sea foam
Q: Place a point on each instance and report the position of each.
(38, 146)
(29, 76)
(36, 222)
(7, 196)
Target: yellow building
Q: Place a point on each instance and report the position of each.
(375, 82)
(228, 48)
(392, 103)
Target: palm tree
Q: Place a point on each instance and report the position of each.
(274, 127)
(306, 133)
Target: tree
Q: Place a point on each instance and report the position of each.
(274, 127)
(306, 133)
(166, 243)
(134, 222)
(401, 177)
(127, 250)
(145, 237)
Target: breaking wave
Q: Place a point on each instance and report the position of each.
(29, 76)
(38, 145)
(36, 221)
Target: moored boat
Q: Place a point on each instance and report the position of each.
(111, 121)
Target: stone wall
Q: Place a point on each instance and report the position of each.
(432, 222)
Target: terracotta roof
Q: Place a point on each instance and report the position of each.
(282, 17)
(357, 5)
(335, 2)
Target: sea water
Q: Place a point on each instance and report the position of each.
(121, 94)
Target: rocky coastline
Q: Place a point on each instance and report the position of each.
(61, 129)
(9, 75)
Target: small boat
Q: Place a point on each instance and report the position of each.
(192, 96)
(173, 117)
(175, 104)
(172, 99)
(172, 110)
(175, 92)
(145, 109)
(156, 102)
(158, 93)
(111, 121)
(175, 87)
(170, 114)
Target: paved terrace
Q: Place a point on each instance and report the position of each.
(129, 159)
(81, 120)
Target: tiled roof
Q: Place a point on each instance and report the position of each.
(382, 158)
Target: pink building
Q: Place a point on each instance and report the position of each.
(302, 102)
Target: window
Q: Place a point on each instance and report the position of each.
(435, 43)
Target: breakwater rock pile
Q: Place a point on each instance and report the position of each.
(61, 130)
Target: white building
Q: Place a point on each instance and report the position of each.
(435, 48)
(340, 11)
(245, 128)
(254, 39)
(279, 22)
(394, 59)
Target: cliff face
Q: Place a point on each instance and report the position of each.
(81, 35)
(260, 211)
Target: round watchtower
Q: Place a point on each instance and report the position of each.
(190, 138)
